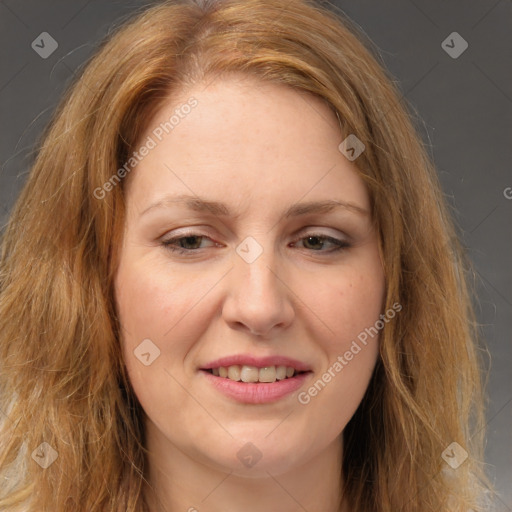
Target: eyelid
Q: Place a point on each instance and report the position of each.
(184, 234)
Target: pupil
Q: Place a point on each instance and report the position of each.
(189, 240)
(314, 238)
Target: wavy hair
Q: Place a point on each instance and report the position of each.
(62, 376)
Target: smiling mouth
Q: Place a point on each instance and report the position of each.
(247, 373)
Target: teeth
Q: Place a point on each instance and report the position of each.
(234, 372)
(281, 372)
(267, 374)
(248, 373)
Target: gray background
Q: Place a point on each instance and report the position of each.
(464, 114)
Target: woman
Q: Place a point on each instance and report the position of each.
(314, 351)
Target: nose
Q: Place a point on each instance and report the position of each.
(259, 298)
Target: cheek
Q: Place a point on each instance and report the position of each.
(351, 303)
(152, 304)
(350, 306)
(152, 301)
(157, 305)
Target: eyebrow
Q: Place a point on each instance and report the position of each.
(218, 208)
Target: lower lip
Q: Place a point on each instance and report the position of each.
(256, 393)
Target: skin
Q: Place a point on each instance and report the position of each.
(259, 148)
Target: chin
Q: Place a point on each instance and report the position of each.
(255, 456)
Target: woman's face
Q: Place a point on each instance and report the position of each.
(260, 279)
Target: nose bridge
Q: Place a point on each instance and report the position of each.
(257, 266)
(258, 297)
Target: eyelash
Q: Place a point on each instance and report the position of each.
(340, 244)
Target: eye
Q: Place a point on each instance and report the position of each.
(316, 242)
(181, 244)
(319, 241)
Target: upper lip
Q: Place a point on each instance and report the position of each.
(259, 362)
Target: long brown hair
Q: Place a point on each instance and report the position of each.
(63, 380)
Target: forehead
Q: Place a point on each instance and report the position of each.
(240, 137)
(247, 104)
